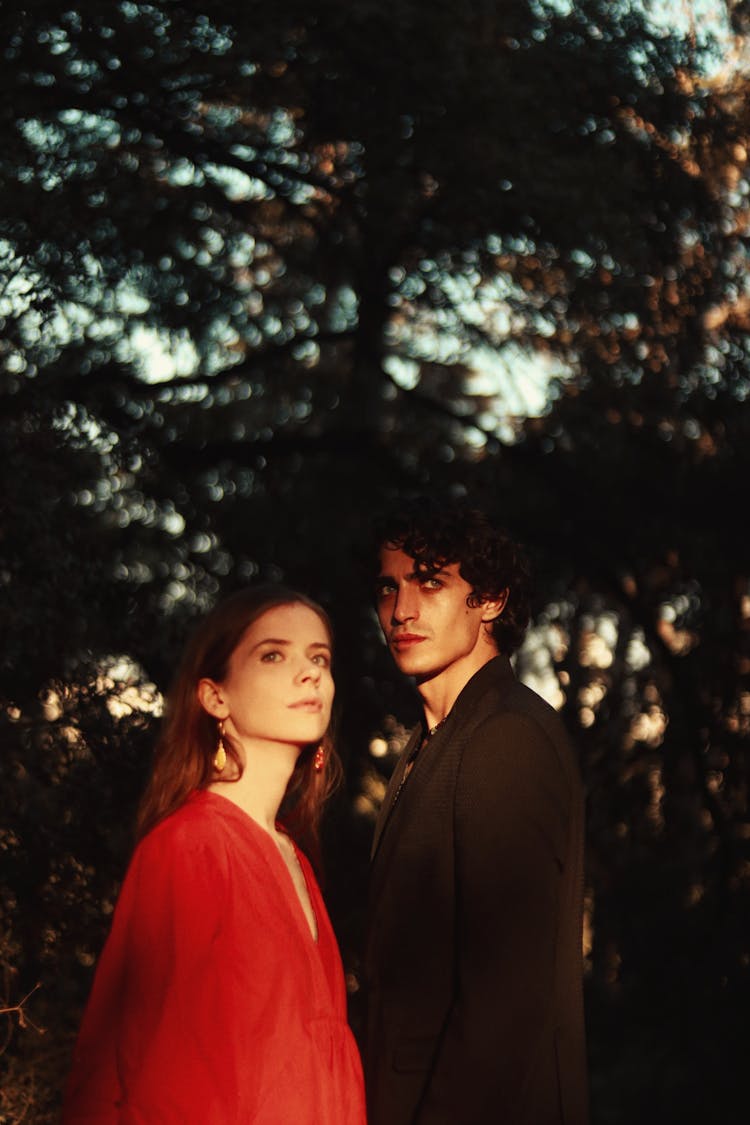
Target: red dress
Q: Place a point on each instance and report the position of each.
(212, 1002)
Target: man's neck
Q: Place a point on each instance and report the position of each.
(441, 691)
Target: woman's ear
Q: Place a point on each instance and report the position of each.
(493, 607)
(211, 698)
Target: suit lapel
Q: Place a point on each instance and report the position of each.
(393, 787)
(496, 671)
(398, 813)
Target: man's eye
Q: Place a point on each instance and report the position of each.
(385, 590)
(432, 583)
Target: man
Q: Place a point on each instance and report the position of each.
(473, 961)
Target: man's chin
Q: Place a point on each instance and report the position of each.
(409, 663)
(415, 664)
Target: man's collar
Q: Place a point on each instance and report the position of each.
(495, 670)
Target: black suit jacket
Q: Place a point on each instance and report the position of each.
(473, 961)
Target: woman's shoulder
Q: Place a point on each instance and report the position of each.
(183, 865)
(195, 828)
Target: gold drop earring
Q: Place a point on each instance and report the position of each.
(318, 759)
(220, 757)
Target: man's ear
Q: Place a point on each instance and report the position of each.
(211, 698)
(493, 607)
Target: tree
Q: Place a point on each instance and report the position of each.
(263, 269)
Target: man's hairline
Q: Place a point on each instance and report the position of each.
(388, 545)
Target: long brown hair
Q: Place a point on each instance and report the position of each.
(185, 750)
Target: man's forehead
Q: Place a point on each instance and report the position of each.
(394, 559)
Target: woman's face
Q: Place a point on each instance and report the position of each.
(279, 686)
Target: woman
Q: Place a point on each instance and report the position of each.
(219, 997)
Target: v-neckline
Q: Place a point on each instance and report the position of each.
(296, 904)
(313, 932)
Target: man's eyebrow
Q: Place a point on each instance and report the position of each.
(416, 575)
(437, 571)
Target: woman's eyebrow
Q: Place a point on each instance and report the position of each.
(270, 641)
(283, 641)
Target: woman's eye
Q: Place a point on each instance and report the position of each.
(322, 660)
(271, 657)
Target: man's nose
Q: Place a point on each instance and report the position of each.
(405, 606)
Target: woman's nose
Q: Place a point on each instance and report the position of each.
(310, 671)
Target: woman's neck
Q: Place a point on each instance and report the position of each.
(261, 788)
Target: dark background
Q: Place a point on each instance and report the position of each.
(265, 267)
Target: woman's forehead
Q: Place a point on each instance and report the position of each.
(292, 621)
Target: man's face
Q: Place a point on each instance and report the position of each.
(427, 624)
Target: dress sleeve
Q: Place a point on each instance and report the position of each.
(147, 1027)
(513, 805)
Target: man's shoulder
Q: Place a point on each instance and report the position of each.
(497, 691)
(513, 696)
(511, 714)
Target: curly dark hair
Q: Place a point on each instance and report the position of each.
(438, 535)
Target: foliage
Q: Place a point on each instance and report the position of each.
(264, 267)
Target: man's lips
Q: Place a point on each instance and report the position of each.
(406, 640)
